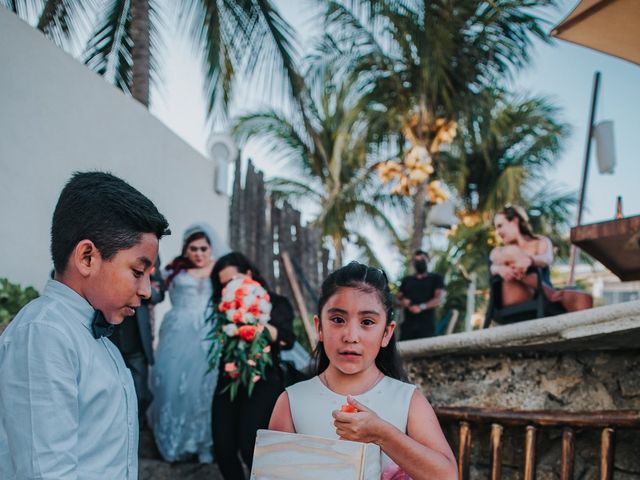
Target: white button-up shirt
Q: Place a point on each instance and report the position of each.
(68, 406)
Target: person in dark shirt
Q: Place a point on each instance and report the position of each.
(420, 294)
(235, 422)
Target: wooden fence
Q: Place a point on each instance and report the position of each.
(262, 229)
(607, 421)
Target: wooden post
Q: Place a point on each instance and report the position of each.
(606, 454)
(530, 453)
(496, 451)
(298, 298)
(566, 463)
(235, 220)
(464, 452)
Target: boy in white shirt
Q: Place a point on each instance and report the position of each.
(67, 401)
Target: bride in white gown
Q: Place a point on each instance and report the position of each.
(180, 414)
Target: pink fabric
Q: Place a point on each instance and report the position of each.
(393, 472)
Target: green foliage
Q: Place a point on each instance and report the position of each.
(505, 144)
(431, 54)
(12, 298)
(467, 251)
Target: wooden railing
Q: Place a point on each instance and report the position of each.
(607, 421)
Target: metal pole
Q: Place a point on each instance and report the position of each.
(471, 301)
(585, 174)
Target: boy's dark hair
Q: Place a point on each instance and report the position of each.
(242, 263)
(104, 209)
(370, 280)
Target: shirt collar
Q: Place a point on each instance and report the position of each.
(72, 299)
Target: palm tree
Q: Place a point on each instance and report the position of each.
(231, 37)
(339, 178)
(504, 147)
(505, 142)
(426, 62)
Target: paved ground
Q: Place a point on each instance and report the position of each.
(152, 467)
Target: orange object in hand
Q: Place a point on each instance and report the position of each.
(348, 408)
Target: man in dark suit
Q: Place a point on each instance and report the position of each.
(133, 337)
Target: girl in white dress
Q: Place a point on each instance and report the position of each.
(357, 363)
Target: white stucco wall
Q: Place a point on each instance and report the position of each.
(57, 117)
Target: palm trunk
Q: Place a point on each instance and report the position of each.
(337, 246)
(140, 52)
(416, 137)
(419, 220)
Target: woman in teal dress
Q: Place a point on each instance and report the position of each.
(180, 414)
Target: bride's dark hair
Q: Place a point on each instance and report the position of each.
(242, 263)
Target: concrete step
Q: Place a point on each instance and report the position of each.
(151, 466)
(159, 470)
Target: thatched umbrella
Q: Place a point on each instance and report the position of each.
(609, 26)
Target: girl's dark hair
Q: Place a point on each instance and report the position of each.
(182, 262)
(242, 263)
(369, 280)
(514, 211)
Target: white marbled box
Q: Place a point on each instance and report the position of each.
(289, 456)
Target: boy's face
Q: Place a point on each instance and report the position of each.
(117, 286)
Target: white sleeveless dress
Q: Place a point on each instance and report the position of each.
(311, 404)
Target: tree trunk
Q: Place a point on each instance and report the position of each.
(419, 220)
(337, 245)
(141, 71)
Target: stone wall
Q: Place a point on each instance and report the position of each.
(586, 361)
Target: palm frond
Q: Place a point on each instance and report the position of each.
(108, 51)
(367, 252)
(283, 140)
(241, 38)
(63, 21)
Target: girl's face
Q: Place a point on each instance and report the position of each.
(199, 252)
(507, 230)
(353, 327)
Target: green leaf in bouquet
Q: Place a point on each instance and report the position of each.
(250, 388)
(233, 390)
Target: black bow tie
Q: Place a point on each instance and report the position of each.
(100, 327)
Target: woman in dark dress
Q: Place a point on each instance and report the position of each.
(235, 422)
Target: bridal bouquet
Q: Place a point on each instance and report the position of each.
(238, 337)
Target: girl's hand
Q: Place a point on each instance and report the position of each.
(361, 426)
